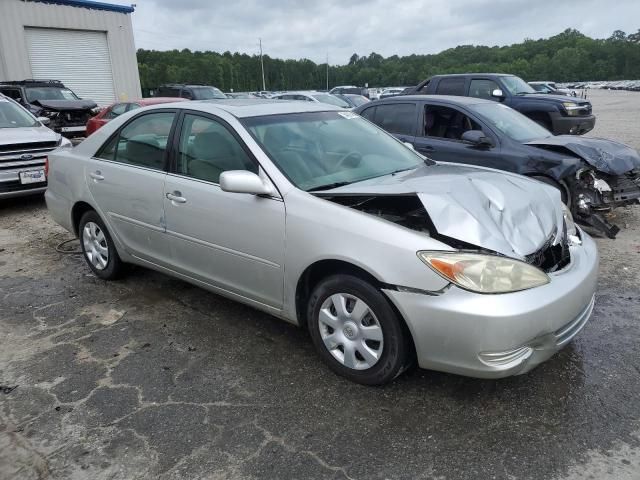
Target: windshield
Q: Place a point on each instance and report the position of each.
(316, 150)
(13, 116)
(516, 85)
(513, 124)
(207, 93)
(49, 93)
(330, 99)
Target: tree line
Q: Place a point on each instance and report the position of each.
(568, 56)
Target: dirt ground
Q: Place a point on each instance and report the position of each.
(150, 377)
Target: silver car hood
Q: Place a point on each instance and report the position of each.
(506, 213)
(9, 136)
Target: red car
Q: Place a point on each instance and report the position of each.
(117, 109)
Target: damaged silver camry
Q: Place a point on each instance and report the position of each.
(320, 218)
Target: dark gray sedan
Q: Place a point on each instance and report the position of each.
(594, 175)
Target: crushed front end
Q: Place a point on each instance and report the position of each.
(596, 194)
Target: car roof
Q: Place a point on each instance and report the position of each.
(437, 98)
(473, 75)
(157, 100)
(249, 107)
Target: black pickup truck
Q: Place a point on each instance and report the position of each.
(558, 114)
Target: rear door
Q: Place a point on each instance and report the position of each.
(397, 118)
(232, 241)
(126, 179)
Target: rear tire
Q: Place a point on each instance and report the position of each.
(98, 248)
(356, 331)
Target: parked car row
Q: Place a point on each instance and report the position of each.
(631, 85)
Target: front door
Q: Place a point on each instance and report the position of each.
(126, 179)
(232, 241)
(440, 138)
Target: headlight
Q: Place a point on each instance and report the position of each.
(65, 143)
(484, 273)
(572, 109)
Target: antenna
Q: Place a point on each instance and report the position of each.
(264, 87)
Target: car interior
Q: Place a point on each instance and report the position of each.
(446, 122)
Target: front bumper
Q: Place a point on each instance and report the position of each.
(572, 125)
(494, 336)
(10, 185)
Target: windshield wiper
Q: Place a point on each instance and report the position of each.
(328, 186)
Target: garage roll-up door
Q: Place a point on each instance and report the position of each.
(78, 58)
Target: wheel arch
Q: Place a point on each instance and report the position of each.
(77, 211)
(322, 269)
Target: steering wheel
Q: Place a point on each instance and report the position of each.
(342, 162)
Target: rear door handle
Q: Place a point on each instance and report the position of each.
(97, 175)
(176, 197)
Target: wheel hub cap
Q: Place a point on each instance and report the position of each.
(350, 331)
(95, 245)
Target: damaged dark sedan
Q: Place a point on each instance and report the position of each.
(593, 175)
(316, 216)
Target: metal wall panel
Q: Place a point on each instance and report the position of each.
(18, 15)
(65, 55)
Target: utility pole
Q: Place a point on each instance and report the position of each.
(327, 71)
(264, 87)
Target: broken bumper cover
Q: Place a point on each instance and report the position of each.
(494, 336)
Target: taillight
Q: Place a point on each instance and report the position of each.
(46, 166)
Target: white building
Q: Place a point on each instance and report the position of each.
(87, 45)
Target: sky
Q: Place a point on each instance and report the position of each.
(314, 29)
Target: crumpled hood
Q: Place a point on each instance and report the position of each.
(506, 213)
(605, 155)
(11, 136)
(66, 105)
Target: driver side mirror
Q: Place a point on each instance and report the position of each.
(477, 138)
(242, 181)
(44, 121)
(497, 93)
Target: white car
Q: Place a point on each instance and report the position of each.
(25, 142)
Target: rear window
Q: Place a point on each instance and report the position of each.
(451, 86)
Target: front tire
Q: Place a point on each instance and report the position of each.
(356, 331)
(98, 248)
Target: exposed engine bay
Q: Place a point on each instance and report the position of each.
(408, 211)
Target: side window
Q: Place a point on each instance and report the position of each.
(396, 118)
(446, 122)
(207, 149)
(116, 111)
(13, 93)
(369, 113)
(482, 89)
(142, 142)
(185, 93)
(451, 86)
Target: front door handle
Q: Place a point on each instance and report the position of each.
(97, 175)
(176, 197)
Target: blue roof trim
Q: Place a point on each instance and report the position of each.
(92, 5)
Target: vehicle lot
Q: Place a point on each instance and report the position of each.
(153, 378)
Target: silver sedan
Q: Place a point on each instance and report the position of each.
(316, 216)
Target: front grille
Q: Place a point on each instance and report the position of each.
(23, 147)
(551, 257)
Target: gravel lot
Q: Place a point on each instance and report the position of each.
(150, 377)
